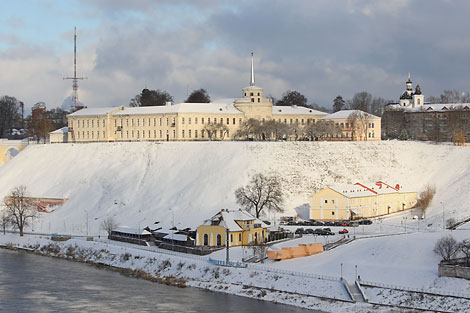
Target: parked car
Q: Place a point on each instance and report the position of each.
(365, 222)
(344, 231)
(299, 231)
(345, 224)
(308, 231)
(329, 224)
(337, 223)
(354, 224)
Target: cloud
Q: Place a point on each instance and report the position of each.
(320, 48)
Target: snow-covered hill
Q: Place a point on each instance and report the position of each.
(140, 183)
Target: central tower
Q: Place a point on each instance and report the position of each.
(252, 103)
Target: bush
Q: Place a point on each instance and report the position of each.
(450, 222)
(446, 247)
(425, 197)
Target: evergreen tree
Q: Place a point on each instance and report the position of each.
(292, 97)
(198, 96)
(338, 104)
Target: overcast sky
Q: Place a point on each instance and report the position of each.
(321, 48)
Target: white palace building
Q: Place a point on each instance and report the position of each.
(187, 121)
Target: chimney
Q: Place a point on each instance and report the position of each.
(168, 103)
(397, 187)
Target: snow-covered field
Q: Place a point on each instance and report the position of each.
(140, 183)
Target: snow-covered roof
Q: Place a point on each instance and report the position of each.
(344, 114)
(224, 106)
(178, 237)
(227, 219)
(252, 88)
(93, 111)
(62, 130)
(442, 107)
(296, 110)
(133, 231)
(364, 190)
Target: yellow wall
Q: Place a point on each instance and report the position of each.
(295, 252)
(339, 207)
(7, 147)
(247, 236)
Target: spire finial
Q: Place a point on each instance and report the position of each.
(409, 75)
(252, 81)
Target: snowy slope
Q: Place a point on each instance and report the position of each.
(140, 183)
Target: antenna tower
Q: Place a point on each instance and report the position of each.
(75, 78)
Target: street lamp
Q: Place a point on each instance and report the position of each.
(356, 271)
(341, 270)
(86, 221)
(443, 216)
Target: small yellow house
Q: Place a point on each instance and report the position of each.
(243, 229)
(352, 201)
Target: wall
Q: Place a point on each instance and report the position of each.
(9, 149)
(447, 270)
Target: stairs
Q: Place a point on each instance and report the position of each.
(354, 292)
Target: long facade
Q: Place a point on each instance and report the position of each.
(218, 120)
(345, 202)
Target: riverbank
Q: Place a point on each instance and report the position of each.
(194, 271)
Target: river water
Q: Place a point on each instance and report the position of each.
(32, 283)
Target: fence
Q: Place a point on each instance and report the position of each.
(225, 263)
(442, 293)
(153, 249)
(293, 273)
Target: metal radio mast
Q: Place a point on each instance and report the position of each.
(75, 78)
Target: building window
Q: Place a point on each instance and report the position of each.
(221, 133)
(326, 201)
(251, 94)
(202, 133)
(228, 121)
(138, 134)
(127, 134)
(174, 133)
(291, 121)
(259, 100)
(195, 133)
(332, 212)
(132, 122)
(195, 120)
(160, 121)
(302, 121)
(167, 121)
(208, 120)
(202, 120)
(239, 121)
(189, 133)
(92, 123)
(132, 134)
(182, 120)
(252, 99)
(239, 237)
(88, 123)
(258, 94)
(154, 134)
(231, 237)
(221, 120)
(206, 239)
(233, 121)
(161, 135)
(182, 134)
(138, 123)
(189, 120)
(219, 240)
(104, 134)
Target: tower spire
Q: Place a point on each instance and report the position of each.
(252, 80)
(75, 78)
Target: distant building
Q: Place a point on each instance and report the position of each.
(218, 120)
(59, 135)
(242, 228)
(368, 128)
(352, 201)
(412, 118)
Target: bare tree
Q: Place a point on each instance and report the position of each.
(263, 193)
(465, 249)
(212, 129)
(20, 208)
(108, 225)
(425, 197)
(359, 122)
(446, 247)
(4, 220)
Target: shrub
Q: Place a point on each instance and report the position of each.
(446, 247)
(425, 197)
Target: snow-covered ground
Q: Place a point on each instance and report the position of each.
(140, 183)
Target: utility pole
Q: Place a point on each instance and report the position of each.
(227, 244)
(74, 78)
(443, 217)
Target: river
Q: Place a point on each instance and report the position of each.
(32, 283)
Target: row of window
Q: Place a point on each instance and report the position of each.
(214, 120)
(219, 238)
(127, 135)
(203, 133)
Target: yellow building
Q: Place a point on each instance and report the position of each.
(10, 148)
(356, 125)
(243, 229)
(218, 120)
(351, 201)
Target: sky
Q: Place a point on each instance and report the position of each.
(321, 48)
